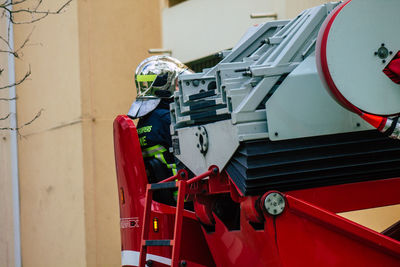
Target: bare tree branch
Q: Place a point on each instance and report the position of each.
(20, 81)
(8, 99)
(15, 52)
(5, 41)
(22, 126)
(29, 12)
(6, 117)
(33, 12)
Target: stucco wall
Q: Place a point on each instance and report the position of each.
(50, 151)
(113, 40)
(82, 65)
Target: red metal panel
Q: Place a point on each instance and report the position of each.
(132, 179)
(354, 196)
(303, 235)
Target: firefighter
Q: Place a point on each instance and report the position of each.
(156, 81)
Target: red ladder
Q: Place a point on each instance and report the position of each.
(169, 183)
(175, 243)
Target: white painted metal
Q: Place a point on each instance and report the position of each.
(359, 30)
(14, 152)
(301, 108)
(131, 258)
(222, 142)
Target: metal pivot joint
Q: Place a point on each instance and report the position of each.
(274, 203)
(202, 139)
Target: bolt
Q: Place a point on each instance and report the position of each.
(183, 263)
(382, 44)
(383, 52)
(383, 61)
(358, 124)
(276, 134)
(187, 83)
(197, 134)
(391, 52)
(203, 81)
(375, 53)
(215, 170)
(183, 175)
(198, 146)
(149, 263)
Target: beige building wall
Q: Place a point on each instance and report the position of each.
(114, 38)
(82, 65)
(50, 151)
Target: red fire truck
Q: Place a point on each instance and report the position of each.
(291, 128)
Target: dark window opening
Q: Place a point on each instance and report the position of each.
(175, 2)
(205, 62)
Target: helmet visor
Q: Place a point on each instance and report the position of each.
(150, 83)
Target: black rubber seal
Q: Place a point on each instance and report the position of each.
(389, 131)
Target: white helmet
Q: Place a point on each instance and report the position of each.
(155, 78)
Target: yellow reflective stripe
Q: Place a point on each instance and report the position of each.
(174, 170)
(169, 166)
(146, 78)
(154, 150)
(157, 152)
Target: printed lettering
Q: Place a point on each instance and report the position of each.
(143, 141)
(145, 129)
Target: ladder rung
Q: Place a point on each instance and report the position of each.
(158, 243)
(163, 185)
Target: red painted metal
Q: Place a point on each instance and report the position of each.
(129, 165)
(392, 70)
(146, 226)
(177, 240)
(303, 235)
(307, 233)
(213, 170)
(181, 174)
(251, 211)
(203, 208)
(132, 179)
(353, 196)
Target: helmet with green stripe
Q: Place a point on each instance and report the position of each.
(156, 76)
(155, 79)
